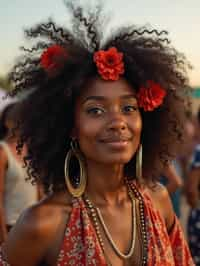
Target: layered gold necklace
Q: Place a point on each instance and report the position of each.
(98, 221)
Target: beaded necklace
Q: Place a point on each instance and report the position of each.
(97, 217)
(142, 221)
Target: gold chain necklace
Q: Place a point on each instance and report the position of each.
(138, 195)
(97, 216)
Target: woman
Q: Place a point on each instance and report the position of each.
(16, 194)
(93, 108)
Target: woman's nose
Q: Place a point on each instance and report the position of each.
(117, 122)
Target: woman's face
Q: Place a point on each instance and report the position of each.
(108, 122)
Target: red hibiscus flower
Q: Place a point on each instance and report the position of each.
(109, 63)
(150, 97)
(53, 59)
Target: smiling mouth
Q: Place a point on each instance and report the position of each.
(116, 143)
(116, 140)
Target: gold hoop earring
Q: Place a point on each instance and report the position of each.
(139, 163)
(78, 189)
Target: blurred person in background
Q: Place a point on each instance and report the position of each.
(173, 176)
(192, 189)
(172, 180)
(16, 193)
(191, 139)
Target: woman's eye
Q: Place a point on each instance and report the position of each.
(129, 108)
(95, 111)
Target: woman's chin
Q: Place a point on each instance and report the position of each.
(119, 160)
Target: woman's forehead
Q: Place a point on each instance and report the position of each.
(108, 89)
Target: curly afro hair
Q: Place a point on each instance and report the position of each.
(48, 112)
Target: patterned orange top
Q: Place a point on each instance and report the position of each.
(81, 247)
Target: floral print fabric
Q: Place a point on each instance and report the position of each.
(80, 245)
(164, 249)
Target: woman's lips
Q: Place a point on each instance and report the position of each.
(116, 143)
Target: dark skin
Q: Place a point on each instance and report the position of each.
(107, 123)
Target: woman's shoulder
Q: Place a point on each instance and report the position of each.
(161, 200)
(49, 210)
(38, 227)
(42, 217)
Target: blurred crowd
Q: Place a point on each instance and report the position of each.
(181, 177)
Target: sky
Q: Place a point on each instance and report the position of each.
(181, 18)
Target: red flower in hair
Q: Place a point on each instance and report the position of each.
(150, 97)
(109, 63)
(53, 59)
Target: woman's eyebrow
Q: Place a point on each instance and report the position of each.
(97, 98)
(103, 98)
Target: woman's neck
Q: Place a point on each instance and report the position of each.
(106, 184)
